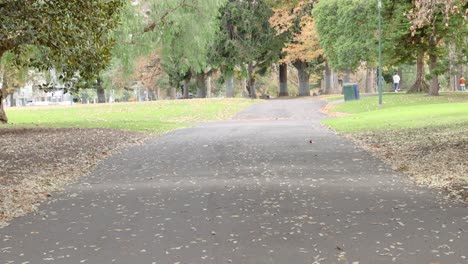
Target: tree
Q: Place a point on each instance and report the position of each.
(347, 31)
(151, 74)
(400, 46)
(71, 36)
(12, 77)
(187, 29)
(445, 22)
(248, 40)
(293, 19)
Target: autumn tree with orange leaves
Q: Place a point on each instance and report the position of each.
(293, 19)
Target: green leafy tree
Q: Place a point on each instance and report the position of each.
(70, 36)
(294, 21)
(444, 22)
(249, 41)
(400, 46)
(187, 29)
(347, 31)
(12, 77)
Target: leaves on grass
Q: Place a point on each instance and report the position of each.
(435, 157)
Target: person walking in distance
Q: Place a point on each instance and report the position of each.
(396, 82)
(462, 83)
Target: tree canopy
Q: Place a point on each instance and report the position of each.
(72, 36)
(69, 36)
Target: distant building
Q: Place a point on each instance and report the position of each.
(31, 94)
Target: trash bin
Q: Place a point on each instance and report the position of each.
(351, 91)
(348, 92)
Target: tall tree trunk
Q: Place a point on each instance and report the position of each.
(173, 92)
(283, 80)
(331, 81)
(151, 94)
(173, 88)
(347, 77)
(420, 85)
(3, 94)
(371, 80)
(303, 75)
(101, 93)
(201, 85)
(229, 85)
(186, 87)
(434, 86)
(251, 82)
(208, 85)
(3, 116)
(335, 83)
(460, 74)
(245, 89)
(453, 76)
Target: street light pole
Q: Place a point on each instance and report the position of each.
(380, 52)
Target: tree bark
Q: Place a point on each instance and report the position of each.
(283, 80)
(3, 93)
(173, 88)
(186, 87)
(347, 77)
(434, 86)
(371, 80)
(335, 84)
(420, 84)
(245, 89)
(172, 92)
(229, 85)
(331, 81)
(251, 82)
(201, 85)
(303, 75)
(3, 116)
(101, 93)
(158, 93)
(153, 93)
(208, 85)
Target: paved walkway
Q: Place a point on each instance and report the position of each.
(270, 186)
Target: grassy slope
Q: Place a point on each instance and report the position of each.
(154, 117)
(402, 111)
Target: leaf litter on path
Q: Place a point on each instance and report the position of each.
(435, 157)
(35, 162)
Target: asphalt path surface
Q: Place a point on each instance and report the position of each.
(272, 185)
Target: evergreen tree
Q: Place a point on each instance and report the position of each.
(248, 40)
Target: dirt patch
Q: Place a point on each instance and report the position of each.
(434, 157)
(36, 162)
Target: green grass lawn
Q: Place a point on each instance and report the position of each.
(153, 117)
(401, 111)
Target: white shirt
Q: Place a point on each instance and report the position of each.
(396, 78)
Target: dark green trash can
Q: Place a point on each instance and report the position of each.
(351, 91)
(348, 92)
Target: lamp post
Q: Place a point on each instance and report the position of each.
(380, 52)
